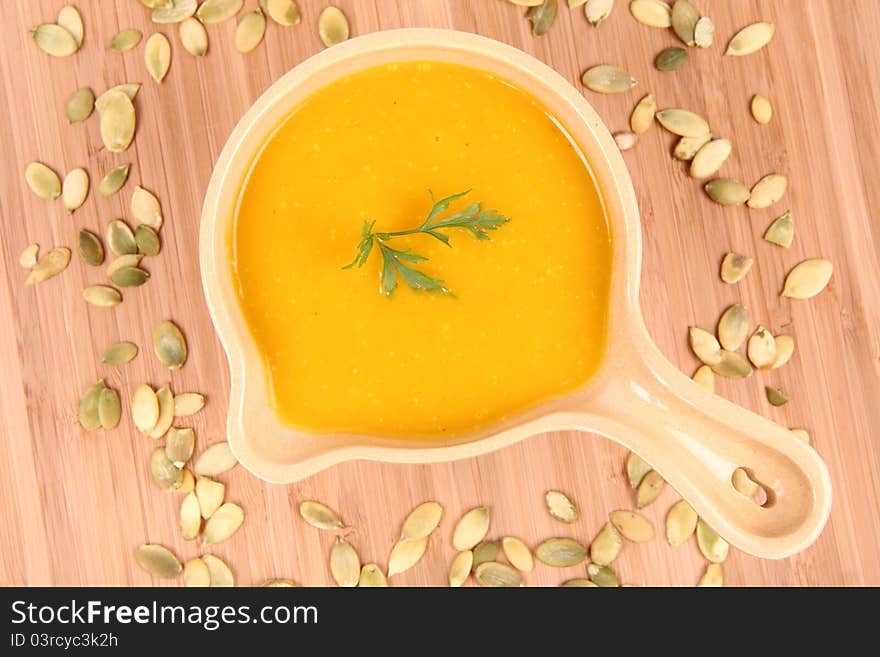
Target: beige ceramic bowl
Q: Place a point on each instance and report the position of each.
(694, 439)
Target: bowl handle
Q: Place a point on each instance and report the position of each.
(696, 440)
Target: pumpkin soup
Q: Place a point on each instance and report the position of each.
(525, 316)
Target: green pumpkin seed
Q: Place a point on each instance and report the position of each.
(653, 13)
(750, 39)
(129, 260)
(670, 59)
(157, 56)
(421, 521)
(117, 118)
(734, 267)
(282, 583)
(125, 40)
(130, 277)
(762, 348)
(90, 248)
(705, 346)
(493, 573)
(165, 474)
(43, 182)
(713, 547)
(687, 147)
(221, 575)
(113, 181)
(608, 79)
(632, 526)
(320, 516)
(406, 554)
(460, 568)
(70, 19)
(28, 257)
(784, 350)
(684, 21)
(179, 444)
(332, 26)
(147, 240)
(580, 582)
(159, 561)
(681, 523)
(727, 191)
(732, 366)
(75, 189)
(775, 396)
(704, 33)
(145, 208)
(54, 40)
(188, 403)
(643, 115)
(194, 37)
(80, 105)
(714, 576)
(345, 565)
(636, 469)
(119, 353)
(598, 10)
(215, 460)
(762, 110)
(169, 345)
(781, 231)
(372, 577)
(650, 489)
(768, 190)
(602, 576)
(51, 264)
(683, 122)
(485, 551)
(607, 545)
(705, 377)
(561, 552)
(175, 12)
(283, 12)
(471, 528)
(144, 408)
(102, 296)
(119, 238)
(710, 158)
(542, 17)
(518, 554)
(560, 506)
(217, 11)
(109, 408)
(733, 327)
(89, 418)
(808, 279)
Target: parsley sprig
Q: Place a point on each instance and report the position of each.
(398, 263)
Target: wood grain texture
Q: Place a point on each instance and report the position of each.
(77, 504)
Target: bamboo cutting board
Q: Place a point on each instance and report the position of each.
(77, 504)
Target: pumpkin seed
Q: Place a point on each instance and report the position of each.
(608, 79)
(762, 348)
(157, 56)
(89, 419)
(345, 565)
(405, 554)
(179, 444)
(147, 240)
(643, 115)
(684, 21)
(119, 353)
(710, 158)
(670, 59)
(732, 366)
(28, 257)
(216, 11)
(602, 576)
(118, 120)
(705, 346)
(561, 552)
(51, 264)
(80, 105)
(714, 575)
(70, 19)
(223, 523)
(320, 516)
(542, 17)
(279, 583)
(471, 528)
(177, 11)
(781, 231)
(372, 577)
(750, 39)
(166, 475)
(250, 30)
(421, 521)
(681, 523)
(762, 110)
(158, 560)
(518, 554)
(113, 181)
(43, 182)
(194, 37)
(188, 483)
(607, 545)
(775, 396)
(733, 327)
(54, 40)
(625, 140)
(190, 517)
(169, 345)
(744, 485)
(649, 490)
(188, 403)
(784, 350)
(727, 191)
(485, 551)
(144, 408)
(653, 13)
(128, 260)
(713, 547)
(807, 279)
(768, 190)
(687, 147)
(166, 418)
(560, 506)
(493, 573)
(704, 32)
(332, 26)
(109, 408)
(145, 208)
(460, 568)
(130, 277)
(90, 248)
(125, 40)
(683, 122)
(802, 434)
(705, 377)
(283, 12)
(632, 526)
(120, 239)
(734, 267)
(130, 89)
(598, 10)
(210, 494)
(636, 469)
(195, 573)
(221, 574)
(102, 296)
(580, 582)
(75, 189)
(215, 460)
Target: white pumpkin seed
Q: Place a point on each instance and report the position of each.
(118, 120)
(493, 573)
(320, 516)
(653, 13)
(283, 12)
(686, 148)
(195, 573)
(650, 489)
(744, 485)
(28, 257)
(608, 79)
(194, 37)
(125, 40)
(781, 231)
(345, 565)
(518, 554)
(164, 421)
(179, 443)
(643, 115)
(177, 11)
(90, 248)
(145, 208)
(560, 552)
(188, 403)
(89, 418)
(710, 158)
(113, 181)
(607, 545)
(762, 110)
(332, 26)
(705, 346)
(597, 10)
(405, 554)
(713, 547)
(625, 140)
(215, 460)
(119, 353)
(51, 264)
(808, 279)
(460, 568)
(733, 327)
(70, 19)
(681, 523)
(210, 494)
(169, 345)
(682, 122)
(102, 296)
(684, 21)
(223, 523)
(75, 189)
(217, 11)
(158, 560)
(421, 521)
(43, 182)
(632, 526)
(714, 576)
(167, 476)
(734, 267)
(732, 366)
(704, 32)
(768, 190)
(281, 583)
(144, 408)
(784, 350)
(187, 484)
(190, 517)
(560, 506)
(762, 348)
(602, 576)
(727, 191)
(636, 469)
(54, 40)
(775, 396)
(250, 31)
(705, 377)
(130, 89)
(221, 574)
(750, 39)
(372, 577)
(80, 105)
(109, 408)
(471, 528)
(157, 56)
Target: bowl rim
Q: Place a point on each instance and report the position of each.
(250, 418)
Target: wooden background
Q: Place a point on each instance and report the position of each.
(76, 504)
